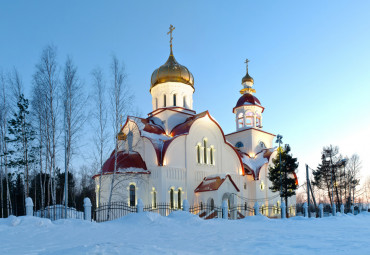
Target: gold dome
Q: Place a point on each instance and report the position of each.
(247, 78)
(172, 71)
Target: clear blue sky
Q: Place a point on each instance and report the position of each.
(310, 59)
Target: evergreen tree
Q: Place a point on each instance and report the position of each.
(284, 172)
(21, 133)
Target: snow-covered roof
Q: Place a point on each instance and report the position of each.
(213, 182)
(254, 164)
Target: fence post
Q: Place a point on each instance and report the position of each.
(283, 210)
(140, 206)
(29, 206)
(185, 205)
(321, 208)
(334, 211)
(256, 208)
(342, 209)
(224, 210)
(305, 207)
(352, 209)
(87, 209)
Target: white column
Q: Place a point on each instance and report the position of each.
(256, 209)
(87, 209)
(140, 206)
(185, 206)
(342, 209)
(334, 209)
(224, 210)
(29, 206)
(321, 212)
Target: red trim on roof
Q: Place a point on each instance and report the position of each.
(248, 98)
(159, 110)
(213, 183)
(250, 129)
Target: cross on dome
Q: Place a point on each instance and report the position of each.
(170, 33)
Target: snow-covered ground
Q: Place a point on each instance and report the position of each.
(183, 233)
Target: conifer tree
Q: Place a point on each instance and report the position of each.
(286, 171)
(21, 137)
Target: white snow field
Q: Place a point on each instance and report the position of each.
(184, 233)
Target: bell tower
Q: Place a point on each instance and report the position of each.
(248, 110)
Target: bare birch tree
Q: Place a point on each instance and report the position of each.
(100, 121)
(47, 77)
(120, 97)
(74, 115)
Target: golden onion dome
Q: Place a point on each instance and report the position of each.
(172, 71)
(247, 78)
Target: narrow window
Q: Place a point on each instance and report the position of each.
(212, 155)
(156, 103)
(132, 195)
(249, 119)
(212, 204)
(171, 199)
(154, 199)
(184, 102)
(164, 101)
(174, 99)
(205, 151)
(240, 120)
(198, 154)
(179, 199)
(258, 121)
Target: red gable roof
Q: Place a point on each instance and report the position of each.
(125, 161)
(213, 183)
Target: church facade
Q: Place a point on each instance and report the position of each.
(176, 153)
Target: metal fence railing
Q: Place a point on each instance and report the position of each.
(57, 212)
(163, 209)
(116, 210)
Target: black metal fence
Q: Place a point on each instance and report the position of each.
(206, 211)
(57, 212)
(116, 210)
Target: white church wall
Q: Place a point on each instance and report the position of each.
(169, 89)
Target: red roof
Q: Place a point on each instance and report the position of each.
(213, 183)
(124, 160)
(248, 99)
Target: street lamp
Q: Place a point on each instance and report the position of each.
(279, 141)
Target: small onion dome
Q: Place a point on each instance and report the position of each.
(172, 71)
(247, 78)
(121, 136)
(247, 99)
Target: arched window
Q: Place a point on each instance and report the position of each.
(211, 156)
(205, 151)
(240, 120)
(212, 204)
(198, 154)
(179, 198)
(164, 101)
(156, 103)
(258, 121)
(172, 199)
(249, 119)
(132, 195)
(154, 198)
(174, 99)
(239, 145)
(184, 102)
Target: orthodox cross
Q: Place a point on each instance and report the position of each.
(247, 61)
(170, 33)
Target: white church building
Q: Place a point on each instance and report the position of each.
(176, 153)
